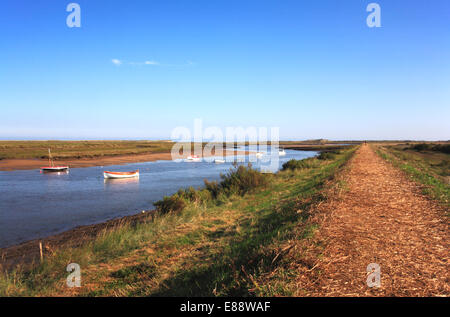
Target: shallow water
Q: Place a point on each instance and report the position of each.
(34, 205)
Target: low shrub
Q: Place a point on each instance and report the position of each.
(193, 195)
(326, 156)
(443, 148)
(242, 180)
(212, 187)
(421, 147)
(299, 164)
(169, 204)
(239, 180)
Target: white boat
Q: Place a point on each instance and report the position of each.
(193, 158)
(259, 154)
(117, 175)
(281, 152)
(219, 161)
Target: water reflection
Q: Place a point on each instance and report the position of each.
(54, 173)
(118, 183)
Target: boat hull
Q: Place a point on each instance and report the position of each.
(193, 158)
(49, 169)
(120, 175)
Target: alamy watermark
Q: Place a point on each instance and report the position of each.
(74, 278)
(74, 18)
(374, 18)
(373, 275)
(232, 144)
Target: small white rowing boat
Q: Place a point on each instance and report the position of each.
(117, 175)
(193, 158)
(281, 152)
(219, 161)
(259, 154)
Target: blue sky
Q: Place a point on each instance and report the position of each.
(312, 68)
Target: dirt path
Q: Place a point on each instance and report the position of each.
(380, 217)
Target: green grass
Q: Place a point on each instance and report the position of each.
(217, 246)
(430, 168)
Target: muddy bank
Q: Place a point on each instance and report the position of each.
(27, 253)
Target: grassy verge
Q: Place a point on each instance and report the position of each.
(429, 168)
(217, 242)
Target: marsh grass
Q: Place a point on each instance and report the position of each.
(79, 149)
(424, 147)
(217, 245)
(300, 164)
(431, 169)
(83, 149)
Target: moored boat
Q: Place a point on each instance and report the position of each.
(219, 161)
(51, 166)
(193, 158)
(55, 168)
(281, 152)
(117, 175)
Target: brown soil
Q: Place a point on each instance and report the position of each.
(377, 216)
(27, 164)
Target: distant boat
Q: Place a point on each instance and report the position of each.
(219, 161)
(51, 165)
(281, 152)
(117, 175)
(259, 154)
(193, 158)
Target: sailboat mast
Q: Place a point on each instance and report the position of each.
(50, 160)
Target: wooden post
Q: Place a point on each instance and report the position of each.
(40, 250)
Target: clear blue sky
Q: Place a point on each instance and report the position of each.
(312, 68)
